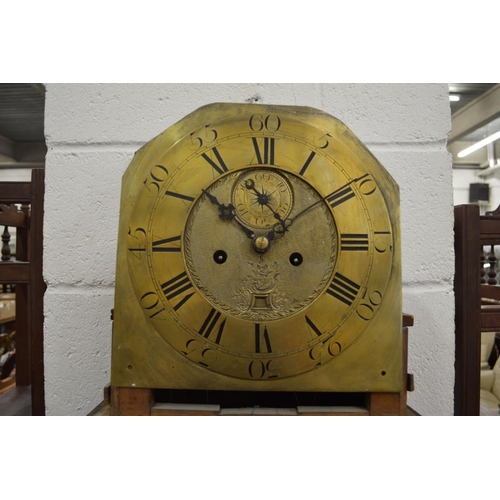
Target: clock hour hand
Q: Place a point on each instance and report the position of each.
(227, 213)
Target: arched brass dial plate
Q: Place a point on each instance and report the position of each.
(258, 249)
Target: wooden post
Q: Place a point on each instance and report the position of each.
(467, 309)
(23, 350)
(37, 291)
(408, 321)
(384, 404)
(131, 401)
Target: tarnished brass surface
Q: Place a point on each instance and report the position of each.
(258, 249)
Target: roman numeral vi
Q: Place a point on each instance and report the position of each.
(259, 344)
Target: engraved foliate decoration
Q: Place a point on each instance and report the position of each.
(257, 293)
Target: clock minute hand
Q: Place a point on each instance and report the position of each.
(295, 217)
(279, 230)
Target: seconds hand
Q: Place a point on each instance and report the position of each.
(263, 199)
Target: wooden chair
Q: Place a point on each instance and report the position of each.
(477, 299)
(21, 206)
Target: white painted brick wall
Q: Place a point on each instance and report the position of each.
(92, 133)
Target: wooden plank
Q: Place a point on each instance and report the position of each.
(259, 412)
(410, 382)
(37, 291)
(385, 404)
(489, 230)
(333, 411)
(15, 192)
(23, 362)
(174, 409)
(23, 359)
(403, 395)
(490, 292)
(490, 319)
(22, 237)
(14, 272)
(131, 401)
(11, 216)
(467, 309)
(408, 320)
(103, 410)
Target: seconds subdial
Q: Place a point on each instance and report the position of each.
(261, 198)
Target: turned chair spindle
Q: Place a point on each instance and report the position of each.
(492, 273)
(5, 244)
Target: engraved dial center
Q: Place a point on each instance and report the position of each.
(254, 281)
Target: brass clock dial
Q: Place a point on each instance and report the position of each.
(259, 247)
